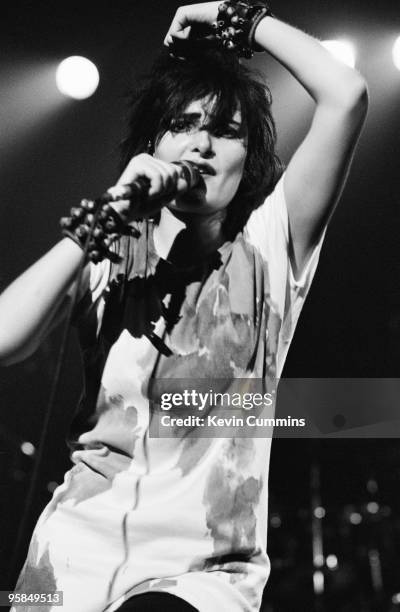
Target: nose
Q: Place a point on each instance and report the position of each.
(201, 142)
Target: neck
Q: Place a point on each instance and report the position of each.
(204, 231)
(199, 235)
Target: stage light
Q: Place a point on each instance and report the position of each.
(342, 50)
(52, 486)
(355, 518)
(319, 512)
(373, 507)
(332, 562)
(28, 449)
(77, 77)
(276, 521)
(396, 53)
(318, 580)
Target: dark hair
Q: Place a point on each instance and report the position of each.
(174, 83)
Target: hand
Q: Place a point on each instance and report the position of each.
(202, 14)
(165, 183)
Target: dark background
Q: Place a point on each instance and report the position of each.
(54, 151)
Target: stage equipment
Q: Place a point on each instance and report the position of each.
(77, 77)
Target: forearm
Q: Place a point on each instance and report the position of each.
(28, 305)
(327, 80)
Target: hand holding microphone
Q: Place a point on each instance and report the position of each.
(148, 183)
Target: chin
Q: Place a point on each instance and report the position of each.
(193, 201)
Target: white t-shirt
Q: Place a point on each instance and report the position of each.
(185, 514)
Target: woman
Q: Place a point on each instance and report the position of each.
(206, 283)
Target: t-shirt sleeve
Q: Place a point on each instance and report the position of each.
(268, 231)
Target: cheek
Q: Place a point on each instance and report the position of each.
(168, 148)
(236, 166)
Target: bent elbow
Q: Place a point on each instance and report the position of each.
(348, 100)
(356, 99)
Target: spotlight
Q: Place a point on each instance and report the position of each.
(318, 580)
(276, 521)
(28, 449)
(355, 518)
(396, 598)
(319, 512)
(332, 562)
(342, 50)
(77, 77)
(373, 507)
(396, 53)
(52, 486)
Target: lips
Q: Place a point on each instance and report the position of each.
(204, 168)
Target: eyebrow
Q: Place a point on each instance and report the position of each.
(198, 116)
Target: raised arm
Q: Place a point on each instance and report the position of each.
(317, 171)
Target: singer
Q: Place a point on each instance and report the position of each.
(188, 279)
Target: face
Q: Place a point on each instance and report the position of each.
(220, 153)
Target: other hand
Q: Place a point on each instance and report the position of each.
(201, 14)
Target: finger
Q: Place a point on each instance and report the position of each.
(135, 168)
(122, 207)
(167, 179)
(171, 173)
(117, 191)
(180, 25)
(181, 20)
(180, 34)
(161, 177)
(143, 166)
(158, 182)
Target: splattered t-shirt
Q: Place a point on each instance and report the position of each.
(186, 515)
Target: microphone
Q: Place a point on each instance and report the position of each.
(137, 190)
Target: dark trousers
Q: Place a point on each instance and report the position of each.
(156, 602)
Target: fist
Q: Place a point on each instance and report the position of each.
(164, 181)
(203, 14)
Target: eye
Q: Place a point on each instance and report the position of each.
(181, 124)
(227, 131)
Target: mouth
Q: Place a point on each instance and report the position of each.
(205, 169)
